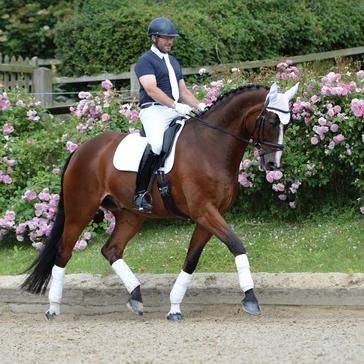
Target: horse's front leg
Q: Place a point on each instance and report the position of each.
(215, 223)
(199, 239)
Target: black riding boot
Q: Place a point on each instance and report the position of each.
(142, 198)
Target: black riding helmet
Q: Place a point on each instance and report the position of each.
(162, 26)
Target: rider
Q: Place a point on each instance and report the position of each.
(161, 89)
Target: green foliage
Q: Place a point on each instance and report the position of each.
(324, 145)
(95, 36)
(27, 28)
(34, 147)
(210, 32)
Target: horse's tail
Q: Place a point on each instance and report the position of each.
(42, 266)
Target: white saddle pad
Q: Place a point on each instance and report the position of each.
(130, 151)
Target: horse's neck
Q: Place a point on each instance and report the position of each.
(231, 118)
(230, 113)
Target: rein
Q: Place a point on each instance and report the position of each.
(259, 123)
(221, 130)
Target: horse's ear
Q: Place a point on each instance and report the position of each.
(292, 91)
(273, 92)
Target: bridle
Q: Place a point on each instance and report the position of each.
(259, 143)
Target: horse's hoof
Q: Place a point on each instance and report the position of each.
(174, 316)
(135, 306)
(50, 316)
(251, 307)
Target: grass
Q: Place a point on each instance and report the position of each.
(316, 244)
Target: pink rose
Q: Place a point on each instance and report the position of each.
(338, 138)
(4, 104)
(107, 85)
(334, 128)
(246, 163)
(71, 147)
(7, 129)
(277, 175)
(269, 177)
(7, 179)
(9, 162)
(105, 117)
(80, 245)
(357, 107)
(314, 99)
(29, 195)
(322, 121)
(331, 113)
(337, 109)
(314, 141)
(38, 246)
(279, 187)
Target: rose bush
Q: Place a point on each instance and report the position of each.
(324, 143)
(324, 149)
(34, 147)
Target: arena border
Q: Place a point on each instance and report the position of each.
(89, 294)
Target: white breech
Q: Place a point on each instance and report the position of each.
(56, 290)
(245, 277)
(155, 120)
(178, 291)
(125, 274)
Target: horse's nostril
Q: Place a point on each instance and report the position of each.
(271, 166)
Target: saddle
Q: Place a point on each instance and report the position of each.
(130, 151)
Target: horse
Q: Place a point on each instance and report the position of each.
(204, 185)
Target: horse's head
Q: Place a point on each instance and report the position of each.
(270, 126)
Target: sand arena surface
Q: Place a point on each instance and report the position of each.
(218, 334)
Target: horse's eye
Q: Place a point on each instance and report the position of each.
(273, 123)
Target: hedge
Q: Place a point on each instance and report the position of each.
(111, 36)
(27, 27)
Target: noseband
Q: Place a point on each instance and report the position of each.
(258, 127)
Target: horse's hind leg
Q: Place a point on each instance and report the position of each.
(199, 239)
(127, 224)
(77, 217)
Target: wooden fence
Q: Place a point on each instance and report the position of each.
(39, 80)
(16, 71)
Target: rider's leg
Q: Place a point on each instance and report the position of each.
(142, 199)
(155, 120)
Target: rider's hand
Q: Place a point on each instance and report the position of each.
(182, 109)
(201, 106)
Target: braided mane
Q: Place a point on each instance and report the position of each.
(235, 91)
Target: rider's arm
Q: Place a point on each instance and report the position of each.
(186, 95)
(149, 83)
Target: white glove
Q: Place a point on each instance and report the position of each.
(182, 109)
(201, 106)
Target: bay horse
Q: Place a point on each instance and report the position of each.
(204, 184)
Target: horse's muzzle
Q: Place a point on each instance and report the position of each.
(271, 166)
